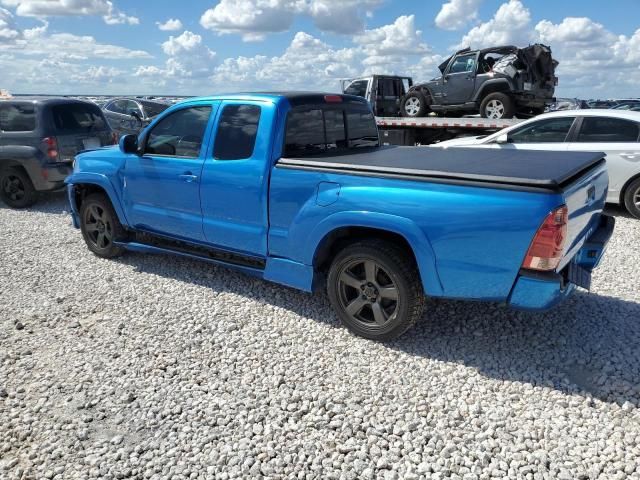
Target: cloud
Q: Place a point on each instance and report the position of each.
(456, 14)
(8, 30)
(188, 58)
(253, 19)
(510, 24)
(47, 8)
(37, 42)
(400, 37)
(170, 25)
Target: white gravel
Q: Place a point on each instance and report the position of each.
(159, 367)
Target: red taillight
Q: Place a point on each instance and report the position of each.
(114, 138)
(333, 98)
(545, 251)
(51, 147)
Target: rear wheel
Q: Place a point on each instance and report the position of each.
(100, 226)
(16, 188)
(496, 106)
(632, 198)
(414, 105)
(375, 288)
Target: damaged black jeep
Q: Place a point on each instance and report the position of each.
(498, 82)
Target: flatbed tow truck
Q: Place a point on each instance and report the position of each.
(385, 92)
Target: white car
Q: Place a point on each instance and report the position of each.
(615, 132)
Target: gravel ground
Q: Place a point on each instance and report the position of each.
(160, 367)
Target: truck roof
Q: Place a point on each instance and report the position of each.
(295, 98)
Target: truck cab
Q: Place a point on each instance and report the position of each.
(383, 92)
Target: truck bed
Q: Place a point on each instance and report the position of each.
(504, 168)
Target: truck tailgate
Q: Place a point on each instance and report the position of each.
(585, 198)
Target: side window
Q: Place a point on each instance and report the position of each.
(116, 106)
(603, 129)
(358, 88)
(17, 117)
(553, 130)
(305, 133)
(131, 105)
(179, 134)
(237, 132)
(463, 63)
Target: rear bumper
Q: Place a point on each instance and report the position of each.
(538, 291)
(48, 176)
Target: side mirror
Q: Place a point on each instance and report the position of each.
(129, 144)
(135, 114)
(503, 138)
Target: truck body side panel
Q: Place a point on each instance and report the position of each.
(469, 242)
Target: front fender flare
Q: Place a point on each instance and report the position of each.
(410, 231)
(102, 181)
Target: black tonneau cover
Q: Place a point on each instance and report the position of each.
(523, 168)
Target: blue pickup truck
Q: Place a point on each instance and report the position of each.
(295, 188)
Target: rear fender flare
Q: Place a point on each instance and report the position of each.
(409, 230)
(99, 180)
(491, 86)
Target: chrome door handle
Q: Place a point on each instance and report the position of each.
(635, 156)
(188, 177)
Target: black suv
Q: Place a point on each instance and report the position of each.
(39, 138)
(497, 82)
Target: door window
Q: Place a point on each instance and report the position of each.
(237, 132)
(357, 88)
(129, 106)
(17, 117)
(605, 129)
(552, 130)
(117, 106)
(179, 134)
(463, 63)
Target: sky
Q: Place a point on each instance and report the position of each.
(198, 47)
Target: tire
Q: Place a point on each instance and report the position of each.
(496, 106)
(414, 105)
(632, 198)
(16, 188)
(375, 288)
(100, 226)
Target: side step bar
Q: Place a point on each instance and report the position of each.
(142, 241)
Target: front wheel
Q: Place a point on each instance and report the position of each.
(375, 288)
(16, 188)
(100, 226)
(632, 198)
(496, 106)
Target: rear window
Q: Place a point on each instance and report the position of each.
(78, 117)
(17, 117)
(330, 130)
